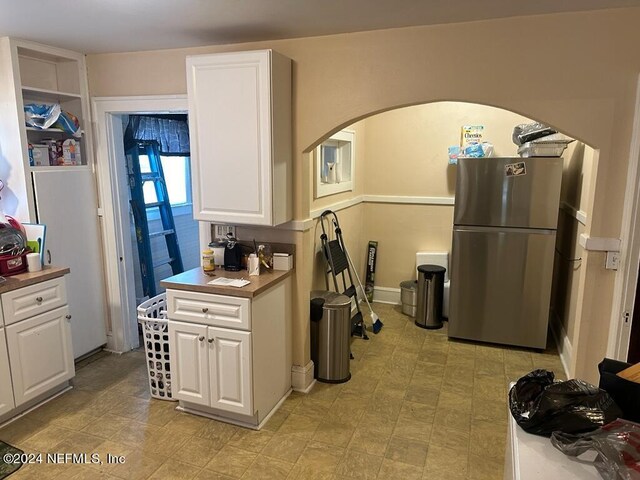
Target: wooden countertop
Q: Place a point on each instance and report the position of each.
(196, 281)
(24, 279)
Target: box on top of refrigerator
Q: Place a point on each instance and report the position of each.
(469, 135)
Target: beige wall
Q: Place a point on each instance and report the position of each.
(406, 149)
(338, 79)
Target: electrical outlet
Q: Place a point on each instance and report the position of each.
(612, 261)
(222, 230)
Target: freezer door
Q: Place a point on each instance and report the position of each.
(508, 192)
(501, 285)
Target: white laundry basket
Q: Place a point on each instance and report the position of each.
(152, 315)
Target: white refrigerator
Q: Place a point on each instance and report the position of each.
(65, 202)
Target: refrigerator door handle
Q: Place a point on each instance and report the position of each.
(483, 229)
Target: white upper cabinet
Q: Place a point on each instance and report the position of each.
(240, 133)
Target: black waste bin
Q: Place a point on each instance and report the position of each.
(430, 293)
(330, 336)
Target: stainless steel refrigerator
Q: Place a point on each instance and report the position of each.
(504, 235)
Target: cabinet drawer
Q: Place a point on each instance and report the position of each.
(33, 300)
(209, 309)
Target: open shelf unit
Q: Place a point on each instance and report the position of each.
(64, 198)
(31, 73)
(53, 78)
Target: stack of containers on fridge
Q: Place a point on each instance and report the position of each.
(538, 140)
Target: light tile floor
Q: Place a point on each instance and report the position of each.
(418, 406)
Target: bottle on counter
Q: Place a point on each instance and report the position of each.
(208, 263)
(265, 256)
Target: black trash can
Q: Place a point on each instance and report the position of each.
(430, 293)
(330, 336)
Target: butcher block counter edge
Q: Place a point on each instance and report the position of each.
(30, 278)
(196, 281)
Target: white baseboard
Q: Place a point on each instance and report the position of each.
(565, 350)
(386, 295)
(302, 377)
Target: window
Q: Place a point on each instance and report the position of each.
(335, 162)
(177, 176)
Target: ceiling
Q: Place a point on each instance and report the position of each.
(95, 26)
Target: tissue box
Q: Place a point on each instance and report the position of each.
(282, 261)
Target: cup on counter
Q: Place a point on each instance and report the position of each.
(34, 263)
(253, 264)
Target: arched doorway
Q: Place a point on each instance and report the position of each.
(402, 196)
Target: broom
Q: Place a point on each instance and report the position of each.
(376, 323)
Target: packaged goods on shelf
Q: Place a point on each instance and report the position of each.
(45, 116)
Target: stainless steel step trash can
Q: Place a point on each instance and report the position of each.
(330, 336)
(430, 293)
(409, 297)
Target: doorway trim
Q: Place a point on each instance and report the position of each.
(624, 293)
(113, 194)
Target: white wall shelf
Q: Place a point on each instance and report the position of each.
(48, 95)
(51, 131)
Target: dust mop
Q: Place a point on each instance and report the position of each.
(376, 323)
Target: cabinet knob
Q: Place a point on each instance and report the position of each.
(211, 340)
(205, 310)
(39, 299)
(68, 317)
(201, 338)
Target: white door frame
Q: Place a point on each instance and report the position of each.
(624, 293)
(113, 194)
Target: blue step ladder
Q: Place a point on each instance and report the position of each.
(140, 210)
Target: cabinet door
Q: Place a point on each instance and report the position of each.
(189, 363)
(230, 132)
(230, 370)
(40, 354)
(6, 390)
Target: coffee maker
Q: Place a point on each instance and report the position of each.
(232, 254)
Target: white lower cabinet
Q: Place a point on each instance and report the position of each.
(36, 351)
(211, 366)
(41, 353)
(237, 375)
(6, 393)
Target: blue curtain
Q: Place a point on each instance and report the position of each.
(171, 132)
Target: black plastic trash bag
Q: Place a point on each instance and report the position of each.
(617, 444)
(528, 132)
(541, 406)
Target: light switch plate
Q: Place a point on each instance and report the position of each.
(222, 230)
(612, 261)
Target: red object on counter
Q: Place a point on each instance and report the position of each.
(13, 264)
